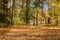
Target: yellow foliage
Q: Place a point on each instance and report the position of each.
(47, 14)
(23, 1)
(17, 21)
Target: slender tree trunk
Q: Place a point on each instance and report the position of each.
(37, 17)
(36, 1)
(5, 9)
(27, 11)
(48, 18)
(12, 16)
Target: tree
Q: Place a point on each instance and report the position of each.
(27, 11)
(12, 16)
(4, 13)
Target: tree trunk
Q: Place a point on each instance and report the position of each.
(12, 16)
(27, 11)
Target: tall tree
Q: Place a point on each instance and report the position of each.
(27, 11)
(12, 16)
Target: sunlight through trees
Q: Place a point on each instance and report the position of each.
(30, 12)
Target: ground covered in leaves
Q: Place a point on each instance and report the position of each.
(30, 33)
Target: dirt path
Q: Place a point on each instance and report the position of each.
(30, 33)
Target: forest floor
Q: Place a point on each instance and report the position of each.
(30, 33)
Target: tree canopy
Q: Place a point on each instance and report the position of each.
(30, 12)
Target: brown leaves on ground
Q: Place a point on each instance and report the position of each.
(30, 33)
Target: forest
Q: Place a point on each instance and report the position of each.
(30, 12)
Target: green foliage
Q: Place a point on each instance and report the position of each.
(30, 12)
